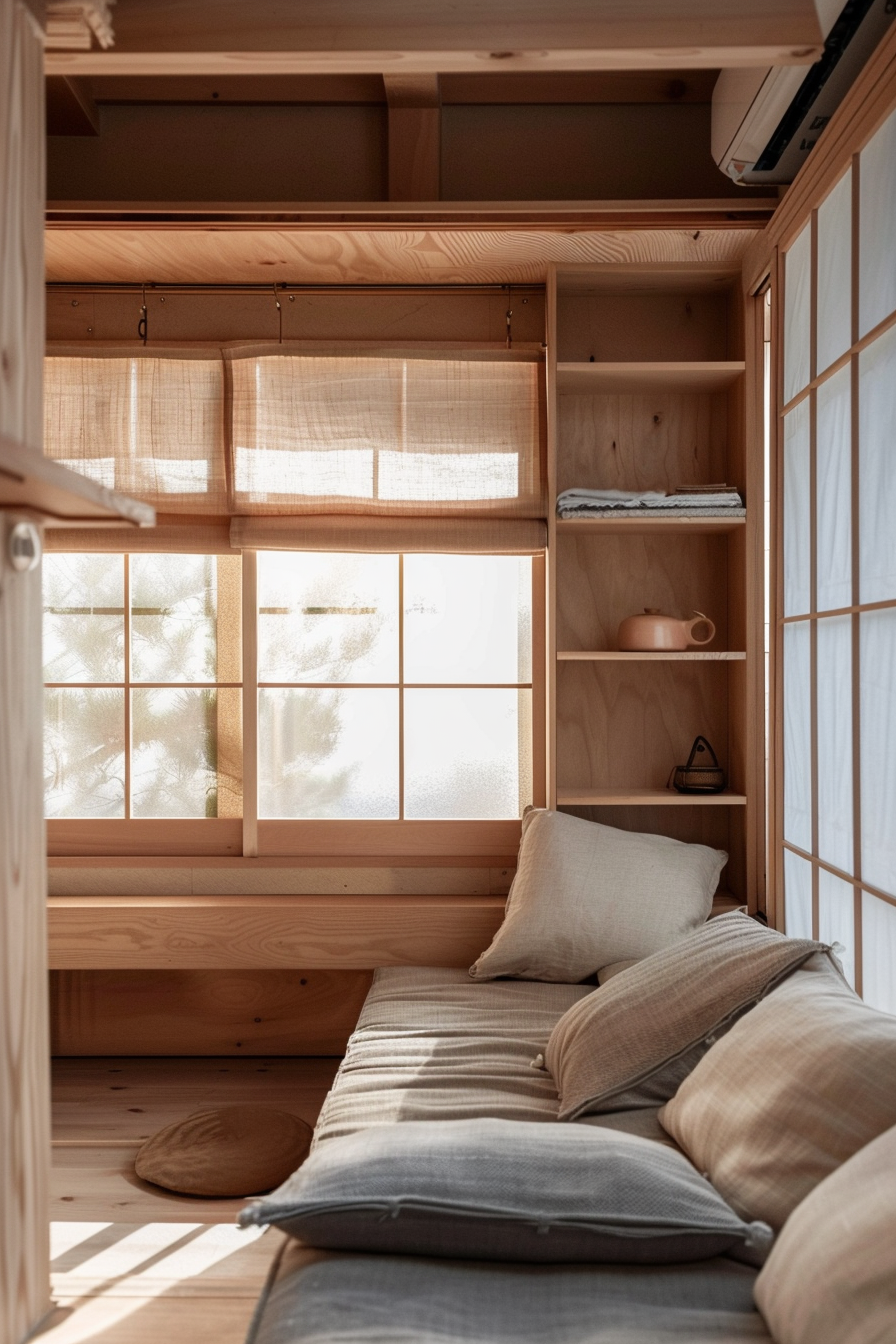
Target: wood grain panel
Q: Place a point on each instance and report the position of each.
(212, 933)
(24, 1080)
(606, 578)
(231, 254)
(650, 441)
(679, 326)
(204, 1012)
(626, 726)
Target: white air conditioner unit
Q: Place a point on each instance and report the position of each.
(766, 121)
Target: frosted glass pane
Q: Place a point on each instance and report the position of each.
(467, 753)
(833, 456)
(328, 753)
(84, 753)
(83, 617)
(877, 469)
(173, 620)
(834, 299)
(878, 953)
(836, 920)
(835, 795)
(796, 511)
(467, 618)
(797, 723)
(878, 718)
(796, 314)
(877, 227)
(797, 896)
(327, 617)
(174, 749)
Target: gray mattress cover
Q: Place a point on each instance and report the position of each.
(436, 1045)
(327, 1298)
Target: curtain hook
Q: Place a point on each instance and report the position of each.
(143, 325)
(279, 315)
(507, 316)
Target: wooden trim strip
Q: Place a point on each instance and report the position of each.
(885, 605)
(777, 575)
(250, 703)
(856, 569)
(126, 561)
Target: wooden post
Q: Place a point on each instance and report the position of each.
(24, 1041)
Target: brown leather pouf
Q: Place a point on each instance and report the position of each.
(230, 1152)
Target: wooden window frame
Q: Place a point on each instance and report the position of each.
(213, 840)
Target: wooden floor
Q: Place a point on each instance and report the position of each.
(131, 1263)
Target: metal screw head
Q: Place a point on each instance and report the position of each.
(89, 331)
(74, 303)
(23, 547)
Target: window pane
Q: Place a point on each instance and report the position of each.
(796, 315)
(330, 617)
(878, 953)
(877, 469)
(83, 617)
(174, 752)
(878, 718)
(84, 753)
(796, 511)
(836, 920)
(797, 896)
(173, 619)
(835, 742)
(834, 316)
(797, 735)
(877, 227)
(467, 753)
(834, 493)
(467, 618)
(328, 753)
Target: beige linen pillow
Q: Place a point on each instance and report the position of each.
(793, 1090)
(831, 1277)
(586, 895)
(632, 1042)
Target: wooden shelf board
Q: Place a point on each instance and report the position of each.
(646, 798)
(620, 656)
(680, 523)
(34, 484)
(652, 376)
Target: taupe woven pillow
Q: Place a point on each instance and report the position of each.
(508, 1190)
(831, 1276)
(233, 1151)
(634, 1040)
(795, 1088)
(585, 895)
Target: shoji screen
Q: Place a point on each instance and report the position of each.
(837, 607)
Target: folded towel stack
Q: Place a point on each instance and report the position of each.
(699, 501)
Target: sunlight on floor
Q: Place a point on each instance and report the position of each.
(103, 1273)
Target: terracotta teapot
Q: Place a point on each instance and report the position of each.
(653, 632)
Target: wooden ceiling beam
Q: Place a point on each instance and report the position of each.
(219, 37)
(415, 137)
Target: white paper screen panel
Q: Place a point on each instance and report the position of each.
(834, 293)
(797, 294)
(798, 896)
(834, 732)
(833, 503)
(797, 503)
(879, 952)
(877, 227)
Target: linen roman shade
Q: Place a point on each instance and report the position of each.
(315, 437)
(150, 425)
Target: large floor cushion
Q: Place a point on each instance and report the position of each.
(321, 1297)
(433, 1044)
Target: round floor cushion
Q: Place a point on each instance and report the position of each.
(233, 1151)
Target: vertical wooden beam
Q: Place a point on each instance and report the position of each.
(415, 137)
(24, 1039)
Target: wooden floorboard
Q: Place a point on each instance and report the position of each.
(134, 1264)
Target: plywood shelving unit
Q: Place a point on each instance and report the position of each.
(647, 375)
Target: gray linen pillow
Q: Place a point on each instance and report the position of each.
(586, 895)
(507, 1190)
(633, 1041)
